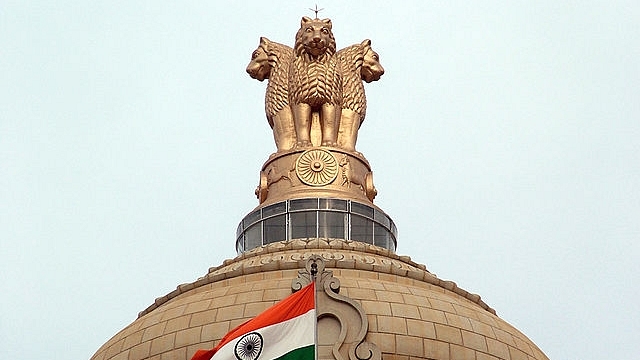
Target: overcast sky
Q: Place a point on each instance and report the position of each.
(504, 139)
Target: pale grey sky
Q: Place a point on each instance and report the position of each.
(503, 138)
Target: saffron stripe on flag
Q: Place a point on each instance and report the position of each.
(277, 339)
(294, 305)
(284, 328)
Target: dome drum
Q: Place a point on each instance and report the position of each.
(316, 218)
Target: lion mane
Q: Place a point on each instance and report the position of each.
(272, 60)
(315, 79)
(357, 63)
(315, 82)
(277, 92)
(351, 59)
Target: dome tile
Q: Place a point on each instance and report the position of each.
(386, 342)
(504, 336)
(197, 306)
(442, 305)
(433, 315)
(409, 345)
(405, 310)
(203, 317)
(114, 348)
(482, 328)
(375, 307)
(434, 349)
(178, 323)
(392, 325)
(461, 352)
(140, 351)
(450, 334)
(162, 344)
(474, 341)
(497, 348)
(188, 336)
(483, 356)
(458, 321)
(421, 328)
(154, 331)
(230, 312)
(211, 331)
(516, 354)
(389, 296)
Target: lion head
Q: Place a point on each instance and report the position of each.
(315, 38)
(371, 69)
(259, 67)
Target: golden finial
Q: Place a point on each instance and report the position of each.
(316, 10)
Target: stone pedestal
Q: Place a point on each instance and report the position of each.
(322, 172)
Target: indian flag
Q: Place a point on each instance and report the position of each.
(285, 331)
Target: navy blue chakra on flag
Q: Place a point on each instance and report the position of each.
(285, 331)
(249, 346)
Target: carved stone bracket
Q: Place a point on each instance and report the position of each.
(342, 323)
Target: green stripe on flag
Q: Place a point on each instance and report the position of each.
(303, 353)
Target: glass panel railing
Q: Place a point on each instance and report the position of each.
(253, 237)
(332, 225)
(275, 209)
(303, 204)
(381, 236)
(275, 229)
(361, 229)
(332, 204)
(251, 219)
(362, 209)
(304, 225)
(312, 218)
(381, 217)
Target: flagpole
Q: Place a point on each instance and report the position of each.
(314, 272)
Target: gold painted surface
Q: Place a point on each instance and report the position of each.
(358, 62)
(317, 167)
(271, 60)
(322, 172)
(315, 94)
(315, 100)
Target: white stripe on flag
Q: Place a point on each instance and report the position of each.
(279, 338)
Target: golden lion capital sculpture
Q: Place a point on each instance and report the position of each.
(313, 86)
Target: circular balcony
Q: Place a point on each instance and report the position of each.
(316, 218)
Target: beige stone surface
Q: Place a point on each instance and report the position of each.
(412, 314)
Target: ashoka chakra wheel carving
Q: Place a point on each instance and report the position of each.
(317, 167)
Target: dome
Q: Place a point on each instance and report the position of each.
(409, 311)
(316, 220)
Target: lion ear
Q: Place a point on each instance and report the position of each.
(366, 43)
(305, 19)
(264, 41)
(327, 22)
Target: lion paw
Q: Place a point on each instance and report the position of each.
(304, 144)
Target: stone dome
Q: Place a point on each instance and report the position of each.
(410, 312)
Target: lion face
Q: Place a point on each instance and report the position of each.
(371, 69)
(259, 67)
(315, 37)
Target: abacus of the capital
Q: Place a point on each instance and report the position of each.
(315, 103)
